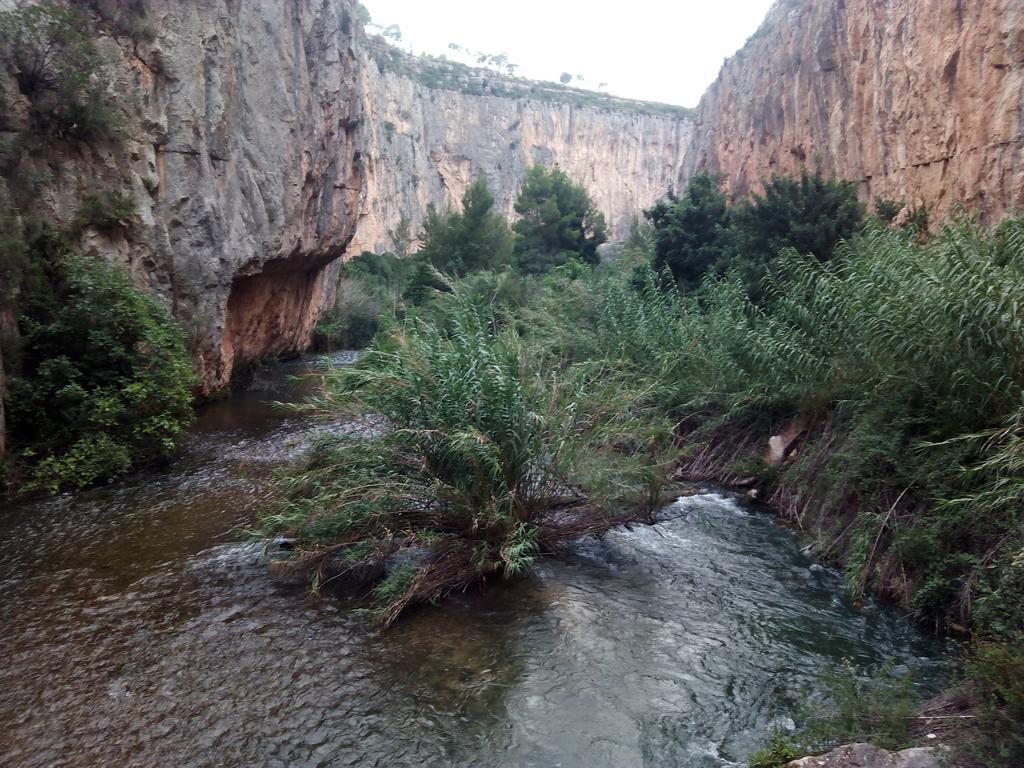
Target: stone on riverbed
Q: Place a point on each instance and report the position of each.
(868, 756)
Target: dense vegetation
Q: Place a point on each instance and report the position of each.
(700, 233)
(484, 456)
(98, 374)
(103, 379)
(559, 223)
(59, 70)
(476, 238)
(891, 355)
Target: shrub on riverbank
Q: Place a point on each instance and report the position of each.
(103, 377)
(894, 366)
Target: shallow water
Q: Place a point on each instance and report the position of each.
(135, 632)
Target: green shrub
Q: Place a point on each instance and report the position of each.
(699, 235)
(104, 380)
(810, 214)
(692, 236)
(353, 321)
(13, 255)
(996, 670)
(779, 753)
(107, 211)
(477, 238)
(485, 459)
(887, 210)
(60, 70)
(878, 709)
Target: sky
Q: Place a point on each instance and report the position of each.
(656, 50)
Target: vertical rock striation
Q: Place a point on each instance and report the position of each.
(918, 100)
(432, 127)
(255, 118)
(240, 143)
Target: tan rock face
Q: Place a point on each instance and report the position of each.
(918, 100)
(426, 144)
(259, 187)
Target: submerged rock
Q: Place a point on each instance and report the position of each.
(868, 756)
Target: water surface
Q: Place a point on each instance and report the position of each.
(135, 631)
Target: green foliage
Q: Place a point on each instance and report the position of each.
(996, 671)
(473, 240)
(878, 709)
(907, 355)
(104, 380)
(809, 214)
(847, 708)
(107, 211)
(59, 69)
(13, 255)
(489, 457)
(692, 236)
(887, 210)
(700, 235)
(370, 289)
(352, 322)
(558, 221)
(779, 753)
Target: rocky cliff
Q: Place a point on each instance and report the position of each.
(241, 134)
(433, 126)
(918, 100)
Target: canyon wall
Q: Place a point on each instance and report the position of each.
(917, 100)
(433, 126)
(239, 145)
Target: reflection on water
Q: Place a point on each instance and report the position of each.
(134, 632)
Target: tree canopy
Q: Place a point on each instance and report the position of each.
(699, 233)
(691, 233)
(477, 238)
(558, 221)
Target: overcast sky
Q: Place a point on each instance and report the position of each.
(660, 50)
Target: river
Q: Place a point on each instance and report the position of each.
(136, 631)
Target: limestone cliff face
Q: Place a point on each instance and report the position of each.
(241, 132)
(257, 118)
(431, 130)
(918, 100)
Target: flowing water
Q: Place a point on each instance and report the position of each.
(134, 631)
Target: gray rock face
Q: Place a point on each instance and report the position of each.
(256, 119)
(242, 131)
(868, 756)
(427, 140)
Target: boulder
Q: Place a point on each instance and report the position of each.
(868, 756)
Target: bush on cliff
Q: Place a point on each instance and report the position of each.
(59, 69)
(103, 380)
